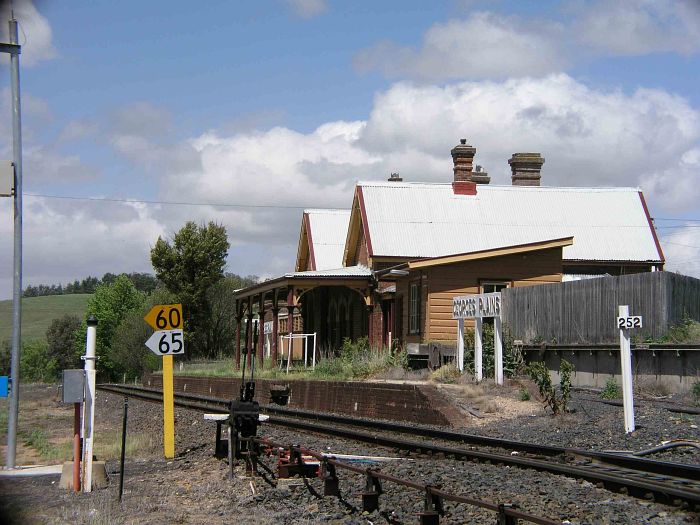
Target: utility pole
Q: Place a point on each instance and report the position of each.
(13, 49)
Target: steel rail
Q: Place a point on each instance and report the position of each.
(637, 483)
(665, 468)
(422, 487)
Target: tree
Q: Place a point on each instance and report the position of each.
(128, 345)
(188, 268)
(61, 342)
(110, 305)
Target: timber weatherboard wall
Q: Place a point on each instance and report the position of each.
(580, 312)
(442, 283)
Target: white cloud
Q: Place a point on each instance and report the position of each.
(496, 46)
(682, 249)
(35, 34)
(485, 45)
(639, 27)
(647, 138)
(307, 8)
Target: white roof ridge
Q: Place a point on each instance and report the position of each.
(326, 210)
(509, 187)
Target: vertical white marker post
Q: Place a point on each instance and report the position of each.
(478, 349)
(460, 344)
(498, 349)
(89, 403)
(626, 362)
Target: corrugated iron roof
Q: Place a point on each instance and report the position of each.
(428, 220)
(348, 271)
(328, 231)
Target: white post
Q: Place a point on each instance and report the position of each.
(478, 352)
(289, 352)
(460, 344)
(306, 351)
(89, 404)
(498, 349)
(313, 365)
(626, 362)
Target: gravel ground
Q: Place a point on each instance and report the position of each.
(194, 487)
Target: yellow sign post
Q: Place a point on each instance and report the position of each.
(166, 319)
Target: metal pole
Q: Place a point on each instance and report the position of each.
(89, 404)
(76, 447)
(17, 285)
(121, 463)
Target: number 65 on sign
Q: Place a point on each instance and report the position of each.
(166, 342)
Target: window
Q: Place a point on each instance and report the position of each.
(493, 286)
(414, 308)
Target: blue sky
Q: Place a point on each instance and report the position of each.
(289, 102)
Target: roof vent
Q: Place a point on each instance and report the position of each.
(480, 176)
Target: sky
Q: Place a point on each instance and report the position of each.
(139, 116)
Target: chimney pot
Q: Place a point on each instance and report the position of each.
(395, 178)
(525, 168)
(462, 141)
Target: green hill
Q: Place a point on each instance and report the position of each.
(38, 312)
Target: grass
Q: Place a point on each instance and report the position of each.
(39, 312)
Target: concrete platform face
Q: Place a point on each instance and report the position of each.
(32, 470)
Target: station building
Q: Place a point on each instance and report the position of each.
(388, 267)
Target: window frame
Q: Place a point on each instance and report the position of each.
(414, 308)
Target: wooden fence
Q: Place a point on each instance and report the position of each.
(580, 312)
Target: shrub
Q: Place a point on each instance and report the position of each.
(35, 363)
(61, 342)
(358, 360)
(524, 394)
(539, 373)
(448, 373)
(513, 360)
(696, 391)
(611, 390)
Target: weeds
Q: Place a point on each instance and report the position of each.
(446, 374)
(695, 390)
(611, 390)
(539, 373)
(513, 360)
(524, 394)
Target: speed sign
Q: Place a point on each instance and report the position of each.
(167, 342)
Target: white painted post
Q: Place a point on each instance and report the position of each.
(306, 351)
(478, 349)
(626, 363)
(498, 349)
(289, 352)
(460, 344)
(313, 361)
(89, 403)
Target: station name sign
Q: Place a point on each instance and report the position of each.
(476, 306)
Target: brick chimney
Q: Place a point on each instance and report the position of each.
(395, 178)
(525, 168)
(462, 157)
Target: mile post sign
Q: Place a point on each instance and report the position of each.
(167, 340)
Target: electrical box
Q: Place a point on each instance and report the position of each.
(73, 386)
(7, 178)
(4, 391)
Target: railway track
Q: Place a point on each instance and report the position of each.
(666, 482)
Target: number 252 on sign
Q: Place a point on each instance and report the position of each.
(632, 321)
(167, 342)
